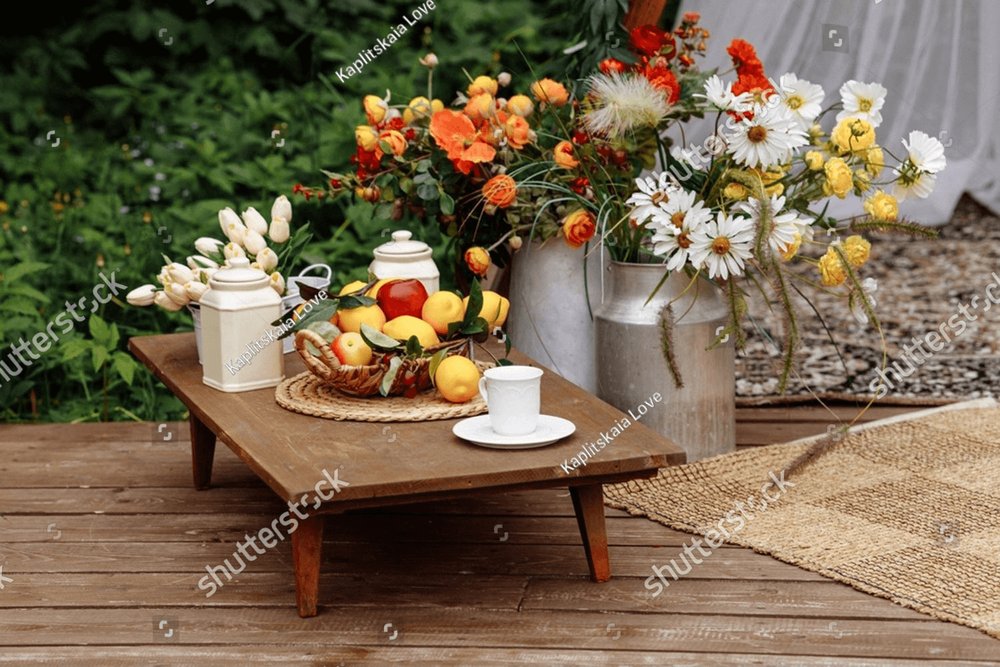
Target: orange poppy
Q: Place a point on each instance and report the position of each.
(455, 133)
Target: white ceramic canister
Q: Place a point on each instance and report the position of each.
(240, 350)
(404, 257)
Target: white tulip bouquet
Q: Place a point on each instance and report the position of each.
(183, 284)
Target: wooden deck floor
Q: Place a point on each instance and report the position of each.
(105, 574)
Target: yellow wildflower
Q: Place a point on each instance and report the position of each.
(831, 269)
(882, 206)
(857, 249)
(853, 135)
(814, 160)
(838, 177)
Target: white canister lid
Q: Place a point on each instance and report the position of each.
(402, 247)
(238, 276)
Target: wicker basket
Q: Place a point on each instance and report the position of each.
(366, 380)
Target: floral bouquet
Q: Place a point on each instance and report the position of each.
(183, 284)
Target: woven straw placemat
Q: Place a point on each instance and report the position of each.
(906, 509)
(306, 394)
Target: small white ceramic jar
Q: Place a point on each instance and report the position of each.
(240, 350)
(404, 257)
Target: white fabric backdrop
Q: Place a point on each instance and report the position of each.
(939, 60)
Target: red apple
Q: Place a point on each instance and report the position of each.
(402, 297)
(351, 349)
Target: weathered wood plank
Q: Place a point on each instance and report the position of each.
(828, 599)
(348, 528)
(237, 656)
(429, 558)
(525, 629)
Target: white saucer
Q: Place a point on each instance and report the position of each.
(478, 431)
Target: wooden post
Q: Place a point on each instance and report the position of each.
(307, 553)
(202, 453)
(643, 12)
(588, 502)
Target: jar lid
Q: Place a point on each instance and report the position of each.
(402, 245)
(238, 275)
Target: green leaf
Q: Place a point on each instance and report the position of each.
(447, 204)
(100, 330)
(22, 269)
(356, 301)
(413, 347)
(19, 305)
(125, 366)
(390, 375)
(73, 348)
(428, 191)
(99, 356)
(378, 340)
(475, 305)
(435, 361)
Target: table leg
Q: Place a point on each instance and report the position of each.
(307, 550)
(202, 453)
(588, 502)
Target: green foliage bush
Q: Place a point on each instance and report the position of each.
(162, 116)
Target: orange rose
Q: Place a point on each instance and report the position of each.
(563, 155)
(480, 106)
(396, 141)
(456, 134)
(478, 260)
(501, 190)
(578, 227)
(550, 91)
(518, 132)
(520, 105)
(375, 109)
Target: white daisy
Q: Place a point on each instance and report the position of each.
(916, 175)
(862, 100)
(926, 152)
(784, 226)
(803, 98)
(768, 138)
(623, 103)
(723, 246)
(654, 190)
(720, 95)
(673, 225)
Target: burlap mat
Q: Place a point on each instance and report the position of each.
(306, 394)
(906, 509)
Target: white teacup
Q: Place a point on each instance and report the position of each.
(513, 395)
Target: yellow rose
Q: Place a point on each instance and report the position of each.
(480, 107)
(862, 181)
(853, 135)
(831, 269)
(520, 105)
(482, 84)
(419, 107)
(375, 108)
(814, 160)
(838, 177)
(857, 250)
(735, 191)
(770, 180)
(874, 161)
(366, 137)
(882, 207)
(815, 134)
(550, 91)
(478, 260)
(792, 248)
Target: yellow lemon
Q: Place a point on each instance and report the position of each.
(494, 309)
(373, 292)
(457, 378)
(441, 309)
(351, 287)
(352, 318)
(404, 326)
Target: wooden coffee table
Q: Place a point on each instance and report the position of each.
(398, 463)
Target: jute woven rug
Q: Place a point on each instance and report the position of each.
(922, 286)
(906, 509)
